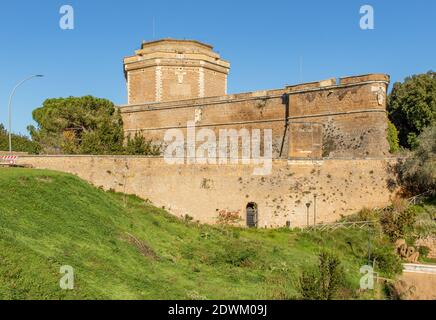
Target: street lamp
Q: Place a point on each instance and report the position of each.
(10, 107)
(308, 206)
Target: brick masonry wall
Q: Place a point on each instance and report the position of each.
(182, 69)
(173, 83)
(342, 187)
(215, 83)
(351, 115)
(136, 81)
(172, 89)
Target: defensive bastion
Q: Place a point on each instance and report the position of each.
(329, 147)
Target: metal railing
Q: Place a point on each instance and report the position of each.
(338, 225)
(418, 198)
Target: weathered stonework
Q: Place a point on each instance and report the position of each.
(170, 70)
(328, 137)
(314, 120)
(332, 187)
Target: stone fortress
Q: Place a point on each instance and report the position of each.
(329, 145)
(171, 70)
(171, 82)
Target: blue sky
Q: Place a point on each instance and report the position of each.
(264, 41)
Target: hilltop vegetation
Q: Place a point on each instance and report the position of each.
(412, 106)
(20, 143)
(133, 250)
(84, 125)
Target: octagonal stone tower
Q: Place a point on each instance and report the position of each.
(170, 70)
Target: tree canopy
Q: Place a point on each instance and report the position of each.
(418, 172)
(412, 106)
(85, 125)
(20, 143)
(78, 125)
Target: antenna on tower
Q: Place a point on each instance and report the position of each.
(301, 69)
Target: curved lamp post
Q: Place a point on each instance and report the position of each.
(10, 107)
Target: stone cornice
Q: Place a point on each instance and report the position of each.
(197, 63)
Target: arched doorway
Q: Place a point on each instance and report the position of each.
(252, 215)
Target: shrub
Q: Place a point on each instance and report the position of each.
(397, 219)
(364, 214)
(388, 262)
(425, 221)
(392, 135)
(367, 214)
(328, 147)
(238, 253)
(423, 251)
(138, 145)
(324, 282)
(187, 218)
(228, 218)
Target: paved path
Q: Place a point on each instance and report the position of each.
(422, 279)
(420, 268)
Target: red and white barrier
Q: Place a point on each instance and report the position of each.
(9, 159)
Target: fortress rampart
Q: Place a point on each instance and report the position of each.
(329, 143)
(332, 187)
(311, 121)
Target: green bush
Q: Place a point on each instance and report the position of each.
(398, 219)
(387, 260)
(425, 220)
(328, 146)
(367, 214)
(323, 282)
(393, 140)
(423, 251)
(237, 253)
(138, 145)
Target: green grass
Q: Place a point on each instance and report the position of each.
(50, 219)
(425, 218)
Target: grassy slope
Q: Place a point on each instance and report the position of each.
(425, 223)
(49, 219)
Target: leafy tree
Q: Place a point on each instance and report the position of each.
(418, 172)
(412, 106)
(74, 125)
(20, 143)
